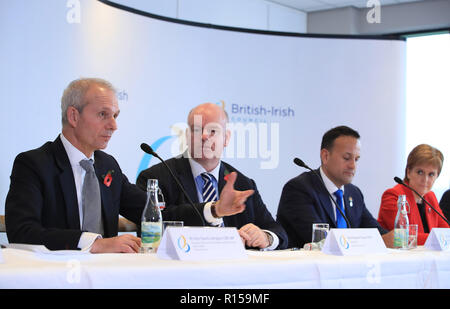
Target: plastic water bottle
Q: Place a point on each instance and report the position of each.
(401, 224)
(151, 223)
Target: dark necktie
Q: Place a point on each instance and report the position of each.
(209, 191)
(340, 221)
(91, 200)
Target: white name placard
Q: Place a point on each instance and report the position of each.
(439, 239)
(201, 243)
(354, 242)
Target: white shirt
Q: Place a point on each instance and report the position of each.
(331, 187)
(75, 156)
(197, 169)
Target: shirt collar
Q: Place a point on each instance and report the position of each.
(331, 187)
(197, 169)
(75, 155)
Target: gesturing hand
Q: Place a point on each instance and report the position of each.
(231, 201)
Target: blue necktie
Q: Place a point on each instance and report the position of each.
(209, 191)
(340, 221)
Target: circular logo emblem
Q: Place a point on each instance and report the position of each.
(344, 242)
(183, 245)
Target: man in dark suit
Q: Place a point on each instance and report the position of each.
(204, 175)
(44, 203)
(305, 200)
(68, 194)
(445, 204)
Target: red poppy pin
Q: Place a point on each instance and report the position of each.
(227, 175)
(108, 178)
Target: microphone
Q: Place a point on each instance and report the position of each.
(400, 182)
(146, 148)
(300, 163)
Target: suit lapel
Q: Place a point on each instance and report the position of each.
(183, 169)
(222, 172)
(225, 170)
(67, 183)
(221, 183)
(348, 204)
(325, 200)
(327, 205)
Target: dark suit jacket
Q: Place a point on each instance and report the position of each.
(41, 205)
(445, 204)
(177, 207)
(304, 201)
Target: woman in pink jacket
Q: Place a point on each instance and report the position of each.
(422, 169)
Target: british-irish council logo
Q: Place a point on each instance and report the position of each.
(344, 242)
(183, 245)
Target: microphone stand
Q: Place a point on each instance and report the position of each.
(146, 148)
(300, 163)
(399, 181)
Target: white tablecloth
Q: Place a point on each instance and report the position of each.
(416, 268)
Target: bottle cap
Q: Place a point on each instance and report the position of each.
(152, 184)
(402, 198)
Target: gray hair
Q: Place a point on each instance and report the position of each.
(75, 92)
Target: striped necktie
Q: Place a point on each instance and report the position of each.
(209, 191)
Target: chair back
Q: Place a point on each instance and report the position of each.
(2, 224)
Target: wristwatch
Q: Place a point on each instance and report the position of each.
(213, 210)
(270, 237)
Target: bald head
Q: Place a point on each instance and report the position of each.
(208, 108)
(207, 135)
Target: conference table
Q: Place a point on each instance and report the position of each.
(284, 269)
